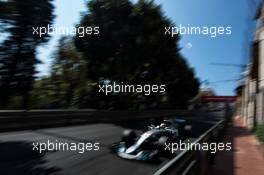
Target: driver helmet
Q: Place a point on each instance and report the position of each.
(162, 126)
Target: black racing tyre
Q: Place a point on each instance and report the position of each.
(129, 137)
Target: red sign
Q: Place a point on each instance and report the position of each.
(218, 98)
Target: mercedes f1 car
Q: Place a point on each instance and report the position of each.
(150, 145)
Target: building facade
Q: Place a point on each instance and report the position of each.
(252, 100)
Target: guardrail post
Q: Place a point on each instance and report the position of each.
(228, 112)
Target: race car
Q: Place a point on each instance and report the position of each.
(151, 144)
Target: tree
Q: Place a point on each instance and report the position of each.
(18, 50)
(68, 74)
(66, 86)
(132, 48)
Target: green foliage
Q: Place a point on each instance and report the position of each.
(42, 95)
(133, 49)
(260, 132)
(65, 87)
(18, 50)
(130, 48)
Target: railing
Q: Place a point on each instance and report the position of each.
(194, 162)
(22, 119)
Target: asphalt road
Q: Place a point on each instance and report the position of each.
(18, 158)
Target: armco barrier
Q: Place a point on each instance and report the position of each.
(21, 119)
(191, 162)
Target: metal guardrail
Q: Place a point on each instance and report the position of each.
(192, 162)
(92, 114)
(23, 119)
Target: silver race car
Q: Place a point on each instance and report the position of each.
(151, 144)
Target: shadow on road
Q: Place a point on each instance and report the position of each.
(18, 158)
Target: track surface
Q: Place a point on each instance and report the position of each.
(18, 158)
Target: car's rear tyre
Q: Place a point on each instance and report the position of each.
(129, 137)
